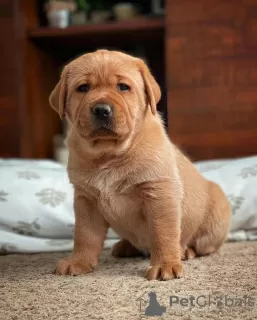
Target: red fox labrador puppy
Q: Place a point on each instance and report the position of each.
(128, 175)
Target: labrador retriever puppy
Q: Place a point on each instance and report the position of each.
(128, 175)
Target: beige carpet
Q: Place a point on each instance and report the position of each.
(28, 290)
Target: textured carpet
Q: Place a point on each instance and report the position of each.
(222, 286)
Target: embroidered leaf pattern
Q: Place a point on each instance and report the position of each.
(7, 247)
(28, 175)
(249, 172)
(51, 197)
(25, 228)
(236, 202)
(3, 196)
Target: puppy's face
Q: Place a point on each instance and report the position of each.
(104, 95)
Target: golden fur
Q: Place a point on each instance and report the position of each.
(129, 176)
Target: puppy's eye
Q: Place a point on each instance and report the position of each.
(123, 87)
(83, 88)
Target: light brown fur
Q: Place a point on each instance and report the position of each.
(132, 178)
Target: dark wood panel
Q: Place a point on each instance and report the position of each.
(39, 74)
(6, 10)
(9, 141)
(212, 40)
(211, 56)
(236, 144)
(232, 73)
(10, 107)
(42, 75)
(195, 11)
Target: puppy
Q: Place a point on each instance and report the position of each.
(128, 175)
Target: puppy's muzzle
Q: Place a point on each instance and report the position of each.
(102, 112)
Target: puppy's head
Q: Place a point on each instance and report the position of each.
(105, 95)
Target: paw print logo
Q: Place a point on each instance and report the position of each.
(218, 301)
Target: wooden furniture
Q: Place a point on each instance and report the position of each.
(211, 63)
(204, 53)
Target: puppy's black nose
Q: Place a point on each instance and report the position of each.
(102, 111)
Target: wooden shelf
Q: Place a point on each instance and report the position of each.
(143, 28)
(139, 24)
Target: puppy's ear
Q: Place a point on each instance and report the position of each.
(57, 97)
(152, 88)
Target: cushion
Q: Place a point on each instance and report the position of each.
(238, 179)
(36, 202)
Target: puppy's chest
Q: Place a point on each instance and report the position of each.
(116, 195)
(117, 207)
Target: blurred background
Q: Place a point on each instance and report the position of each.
(202, 53)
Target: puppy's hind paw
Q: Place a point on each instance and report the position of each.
(188, 254)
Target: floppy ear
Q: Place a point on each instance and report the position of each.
(152, 88)
(57, 97)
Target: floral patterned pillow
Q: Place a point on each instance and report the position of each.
(238, 179)
(36, 202)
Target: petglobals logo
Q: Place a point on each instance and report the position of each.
(207, 301)
(150, 305)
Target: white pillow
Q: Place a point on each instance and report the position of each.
(36, 202)
(36, 205)
(238, 179)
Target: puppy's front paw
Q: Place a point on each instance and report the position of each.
(72, 267)
(166, 271)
